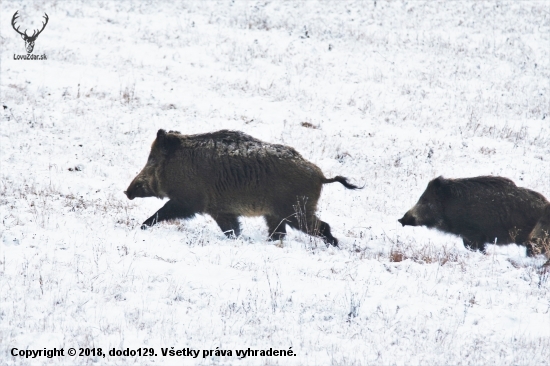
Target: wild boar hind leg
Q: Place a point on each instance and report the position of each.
(276, 227)
(171, 210)
(312, 225)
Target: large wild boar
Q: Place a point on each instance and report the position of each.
(228, 174)
(540, 236)
(481, 210)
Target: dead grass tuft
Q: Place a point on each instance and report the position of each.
(541, 245)
(309, 125)
(423, 254)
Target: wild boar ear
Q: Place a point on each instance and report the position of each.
(168, 143)
(445, 189)
(437, 184)
(159, 141)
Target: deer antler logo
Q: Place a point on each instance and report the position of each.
(29, 40)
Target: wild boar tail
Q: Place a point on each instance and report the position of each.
(342, 180)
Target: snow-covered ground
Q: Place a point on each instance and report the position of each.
(394, 94)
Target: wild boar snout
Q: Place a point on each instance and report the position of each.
(138, 188)
(408, 219)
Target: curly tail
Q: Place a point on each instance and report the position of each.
(342, 180)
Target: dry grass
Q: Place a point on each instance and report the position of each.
(309, 125)
(541, 246)
(423, 254)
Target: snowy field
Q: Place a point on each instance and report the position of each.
(388, 93)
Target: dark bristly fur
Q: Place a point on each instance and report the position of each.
(481, 210)
(228, 174)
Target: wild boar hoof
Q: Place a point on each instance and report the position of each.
(333, 242)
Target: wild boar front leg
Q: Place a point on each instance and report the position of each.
(171, 210)
(474, 244)
(229, 224)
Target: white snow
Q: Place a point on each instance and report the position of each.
(398, 92)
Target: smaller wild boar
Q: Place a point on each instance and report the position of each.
(228, 174)
(540, 236)
(480, 210)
